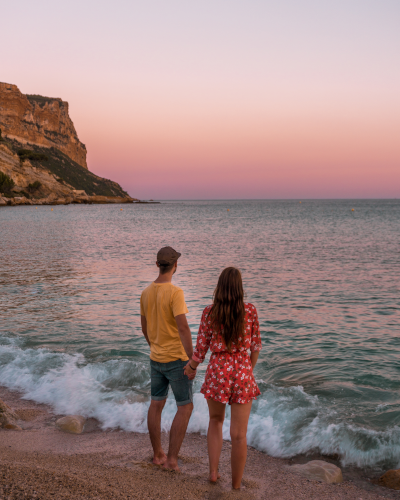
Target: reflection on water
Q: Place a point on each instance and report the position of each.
(325, 281)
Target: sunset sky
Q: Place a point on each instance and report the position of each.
(221, 99)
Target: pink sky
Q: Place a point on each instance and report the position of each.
(222, 99)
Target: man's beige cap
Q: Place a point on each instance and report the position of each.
(167, 256)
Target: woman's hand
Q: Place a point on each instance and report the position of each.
(190, 369)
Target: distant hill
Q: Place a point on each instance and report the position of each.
(39, 137)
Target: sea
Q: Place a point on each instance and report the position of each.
(324, 276)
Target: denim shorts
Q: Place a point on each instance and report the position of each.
(165, 374)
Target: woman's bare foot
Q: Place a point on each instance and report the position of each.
(159, 460)
(214, 476)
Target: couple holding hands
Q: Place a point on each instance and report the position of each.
(229, 328)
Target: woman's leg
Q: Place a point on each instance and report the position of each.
(214, 436)
(239, 419)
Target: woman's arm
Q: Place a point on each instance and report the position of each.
(254, 358)
(255, 346)
(202, 345)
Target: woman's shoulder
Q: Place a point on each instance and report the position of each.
(206, 313)
(249, 307)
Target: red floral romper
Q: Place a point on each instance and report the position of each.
(229, 376)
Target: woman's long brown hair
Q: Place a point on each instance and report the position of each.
(227, 313)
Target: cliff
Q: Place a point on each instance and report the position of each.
(39, 145)
(41, 121)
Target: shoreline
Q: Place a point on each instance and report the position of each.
(43, 462)
(89, 200)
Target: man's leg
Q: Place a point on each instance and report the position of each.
(154, 425)
(177, 434)
(182, 389)
(159, 393)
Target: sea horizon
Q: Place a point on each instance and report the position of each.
(277, 199)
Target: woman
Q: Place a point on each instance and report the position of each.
(230, 328)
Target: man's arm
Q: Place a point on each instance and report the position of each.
(144, 328)
(185, 334)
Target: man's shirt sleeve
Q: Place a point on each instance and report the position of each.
(178, 303)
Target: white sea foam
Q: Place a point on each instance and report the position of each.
(284, 421)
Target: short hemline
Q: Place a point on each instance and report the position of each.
(183, 403)
(159, 398)
(249, 398)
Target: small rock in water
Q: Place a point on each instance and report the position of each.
(391, 479)
(12, 427)
(318, 470)
(71, 423)
(7, 417)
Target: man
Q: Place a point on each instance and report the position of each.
(165, 327)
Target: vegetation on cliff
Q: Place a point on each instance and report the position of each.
(6, 183)
(66, 170)
(28, 154)
(34, 186)
(41, 98)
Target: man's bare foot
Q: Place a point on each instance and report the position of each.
(241, 487)
(171, 465)
(159, 460)
(214, 476)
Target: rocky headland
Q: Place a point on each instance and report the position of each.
(42, 161)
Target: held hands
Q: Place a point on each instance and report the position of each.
(189, 372)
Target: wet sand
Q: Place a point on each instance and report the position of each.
(42, 462)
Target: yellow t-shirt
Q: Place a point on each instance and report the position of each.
(160, 303)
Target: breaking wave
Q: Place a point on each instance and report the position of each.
(284, 421)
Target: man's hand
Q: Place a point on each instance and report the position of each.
(189, 372)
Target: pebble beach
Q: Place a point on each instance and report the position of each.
(42, 462)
